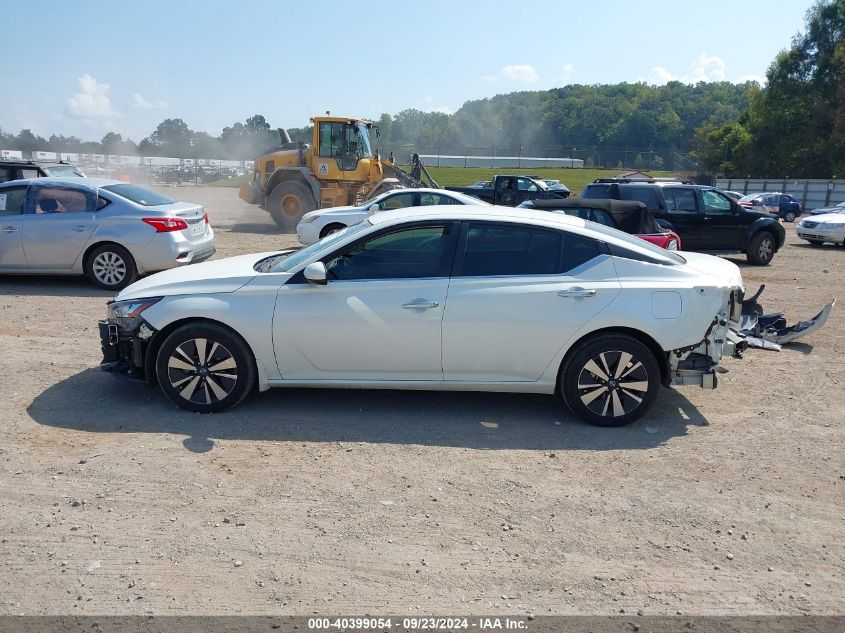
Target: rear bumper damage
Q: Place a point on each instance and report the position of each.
(742, 325)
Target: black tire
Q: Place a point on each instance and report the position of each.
(186, 372)
(288, 202)
(601, 397)
(331, 228)
(111, 267)
(761, 248)
(789, 216)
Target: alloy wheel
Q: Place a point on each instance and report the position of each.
(613, 383)
(202, 371)
(109, 268)
(766, 249)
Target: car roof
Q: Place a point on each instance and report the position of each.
(494, 213)
(90, 183)
(605, 204)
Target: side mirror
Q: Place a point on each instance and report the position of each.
(316, 273)
(373, 208)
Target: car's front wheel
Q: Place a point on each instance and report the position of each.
(610, 380)
(334, 227)
(205, 367)
(761, 249)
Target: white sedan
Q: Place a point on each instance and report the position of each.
(316, 225)
(826, 227)
(453, 298)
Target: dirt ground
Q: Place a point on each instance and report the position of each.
(350, 502)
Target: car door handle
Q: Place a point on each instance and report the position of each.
(79, 228)
(10, 229)
(420, 304)
(577, 292)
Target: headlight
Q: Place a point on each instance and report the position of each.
(127, 314)
(308, 219)
(832, 225)
(672, 245)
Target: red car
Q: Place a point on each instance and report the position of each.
(626, 215)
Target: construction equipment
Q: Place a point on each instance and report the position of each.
(339, 168)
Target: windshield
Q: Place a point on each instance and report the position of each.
(139, 195)
(364, 149)
(286, 262)
(63, 170)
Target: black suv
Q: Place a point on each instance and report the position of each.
(706, 218)
(16, 169)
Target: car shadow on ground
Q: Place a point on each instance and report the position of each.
(269, 228)
(55, 286)
(97, 402)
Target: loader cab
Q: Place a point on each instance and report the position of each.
(343, 149)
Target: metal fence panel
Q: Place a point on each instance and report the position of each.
(813, 194)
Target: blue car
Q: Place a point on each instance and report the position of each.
(781, 204)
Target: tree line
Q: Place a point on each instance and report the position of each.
(792, 126)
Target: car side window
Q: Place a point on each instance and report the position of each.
(511, 250)
(11, 200)
(6, 174)
(60, 199)
(427, 199)
(413, 253)
(715, 202)
(399, 201)
(523, 184)
(680, 200)
(596, 191)
(504, 183)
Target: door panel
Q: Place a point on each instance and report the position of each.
(682, 213)
(11, 227)
(510, 328)
(517, 295)
(359, 330)
(379, 315)
(58, 221)
(721, 227)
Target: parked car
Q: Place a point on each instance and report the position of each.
(510, 191)
(826, 227)
(316, 225)
(482, 183)
(629, 216)
(109, 230)
(736, 195)
(837, 208)
(537, 302)
(780, 204)
(19, 169)
(705, 218)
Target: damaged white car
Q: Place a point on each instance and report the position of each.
(447, 298)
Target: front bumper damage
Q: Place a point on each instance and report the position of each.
(744, 324)
(126, 350)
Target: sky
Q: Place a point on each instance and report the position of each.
(88, 67)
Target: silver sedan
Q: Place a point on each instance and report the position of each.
(109, 230)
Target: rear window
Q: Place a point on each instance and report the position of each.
(646, 195)
(596, 191)
(139, 195)
(62, 170)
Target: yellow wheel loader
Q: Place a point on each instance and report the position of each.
(339, 168)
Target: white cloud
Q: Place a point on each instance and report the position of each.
(427, 105)
(524, 73)
(91, 102)
(139, 103)
(566, 74)
(704, 68)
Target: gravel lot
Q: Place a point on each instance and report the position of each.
(311, 501)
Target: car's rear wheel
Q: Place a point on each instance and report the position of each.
(761, 249)
(205, 367)
(111, 267)
(331, 228)
(610, 380)
(790, 216)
